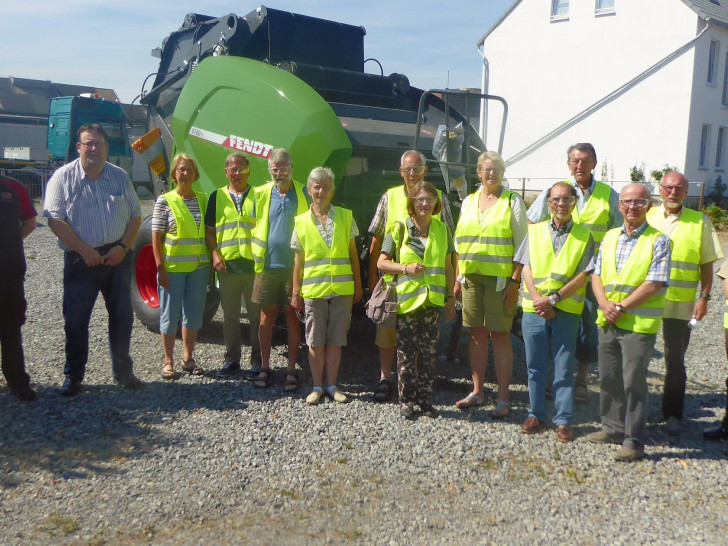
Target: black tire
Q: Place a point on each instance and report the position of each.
(144, 300)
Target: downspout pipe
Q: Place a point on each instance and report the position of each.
(484, 81)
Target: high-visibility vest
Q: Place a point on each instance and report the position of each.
(233, 228)
(326, 270)
(595, 214)
(186, 250)
(397, 207)
(415, 290)
(262, 209)
(551, 272)
(485, 250)
(685, 258)
(646, 318)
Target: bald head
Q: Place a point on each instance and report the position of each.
(634, 191)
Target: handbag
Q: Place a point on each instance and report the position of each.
(382, 305)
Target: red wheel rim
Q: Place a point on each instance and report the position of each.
(146, 276)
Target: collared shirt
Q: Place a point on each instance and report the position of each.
(539, 210)
(415, 243)
(379, 222)
(723, 271)
(659, 270)
(558, 239)
(97, 210)
(237, 265)
(281, 221)
(326, 231)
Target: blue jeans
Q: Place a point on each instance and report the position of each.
(588, 339)
(550, 345)
(81, 286)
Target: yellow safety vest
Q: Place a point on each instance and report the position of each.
(551, 272)
(184, 251)
(685, 258)
(487, 250)
(232, 228)
(397, 207)
(413, 291)
(326, 270)
(595, 214)
(646, 318)
(262, 208)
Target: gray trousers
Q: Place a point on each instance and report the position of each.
(623, 360)
(232, 287)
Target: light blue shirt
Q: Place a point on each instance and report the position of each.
(97, 210)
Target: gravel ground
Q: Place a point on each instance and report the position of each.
(202, 460)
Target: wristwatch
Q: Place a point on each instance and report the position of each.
(122, 245)
(706, 297)
(619, 308)
(552, 300)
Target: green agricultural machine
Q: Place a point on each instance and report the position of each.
(273, 79)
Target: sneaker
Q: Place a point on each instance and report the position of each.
(229, 369)
(253, 372)
(602, 437)
(336, 395)
(626, 454)
(315, 396)
(673, 427)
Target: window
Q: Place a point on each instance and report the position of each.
(604, 6)
(704, 143)
(712, 62)
(720, 149)
(724, 99)
(559, 9)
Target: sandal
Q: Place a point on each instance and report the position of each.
(262, 380)
(497, 413)
(383, 392)
(291, 382)
(168, 371)
(470, 401)
(190, 367)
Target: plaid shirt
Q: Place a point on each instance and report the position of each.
(379, 222)
(659, 268)
(558, 239)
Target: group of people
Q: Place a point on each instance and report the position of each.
(600, 273)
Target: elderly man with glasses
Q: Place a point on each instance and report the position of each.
(557, 258)
(276, 206)
(228, 225)
(392, 208)
(630, 277)
(695, 246)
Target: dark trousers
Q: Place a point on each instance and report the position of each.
(81, 286)
(12, 317)
(676, 334)
(588, 336)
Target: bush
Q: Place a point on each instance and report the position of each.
(718, 216)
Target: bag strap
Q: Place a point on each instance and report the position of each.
(402, 227)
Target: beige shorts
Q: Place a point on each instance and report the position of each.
(327, 320)
(273, 287)
(483, 306)
(386, 338)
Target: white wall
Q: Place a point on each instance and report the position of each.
(551, 71)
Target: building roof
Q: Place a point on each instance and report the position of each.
(715, 10)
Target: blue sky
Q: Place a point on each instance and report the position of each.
(109, 44)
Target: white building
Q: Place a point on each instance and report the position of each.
(645, 81)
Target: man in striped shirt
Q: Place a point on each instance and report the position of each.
(94, 211)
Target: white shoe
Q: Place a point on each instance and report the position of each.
(336, 395)
(315, 397)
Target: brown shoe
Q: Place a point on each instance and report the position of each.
(531, 426)
(563, 433)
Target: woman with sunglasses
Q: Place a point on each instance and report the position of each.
(418, 252)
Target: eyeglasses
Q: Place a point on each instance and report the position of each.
(676, 189)
(91, 145)
(237, 170)
(636, 203)
(566, 200)
(279, 170)
(491, 170)
(424, 200)
(417, 169)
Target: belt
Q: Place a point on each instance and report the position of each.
(103, 249)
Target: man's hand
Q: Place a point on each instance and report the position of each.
(297, 302)
(358, 293)
(450, 309)
(511, 295)
(458, 291)
(542, 306)
(92, 257)
(114, 256)
(218, 262)
(611, 313)
(700, 309)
